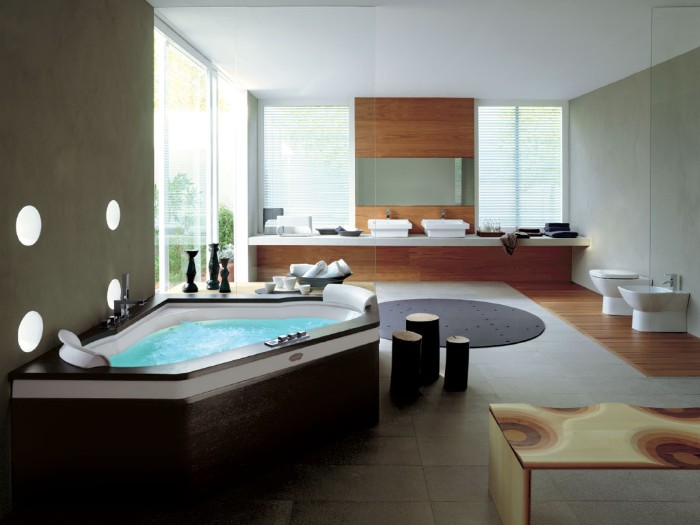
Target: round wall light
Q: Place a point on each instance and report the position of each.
(31, 328)
(114, 292)
(113, 214)
(28, 225)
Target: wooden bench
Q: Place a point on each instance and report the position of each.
(523, 438)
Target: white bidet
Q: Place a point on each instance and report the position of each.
(656, 309)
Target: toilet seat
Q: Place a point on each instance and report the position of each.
(613, 274)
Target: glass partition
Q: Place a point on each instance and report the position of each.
(675, 155)
(301, 178)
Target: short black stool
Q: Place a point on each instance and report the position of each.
(427, 325)
(405, 364)
(456, 363)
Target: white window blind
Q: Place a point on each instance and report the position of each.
(520, 165)
(306, 165)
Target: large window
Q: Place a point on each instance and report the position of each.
(520, 165)
(306, 162)
(194, 142)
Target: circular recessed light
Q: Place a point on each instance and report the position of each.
(114, 215)
(30, 331)
(28, 225)
(114, 292)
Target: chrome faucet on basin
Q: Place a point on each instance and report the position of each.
(442, 213)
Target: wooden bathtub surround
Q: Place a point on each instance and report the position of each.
(415, 214)
(606, 436)
(414, 127)
(427, 263)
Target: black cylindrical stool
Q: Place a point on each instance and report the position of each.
(405, 364)
(456, 363)
(427, 325)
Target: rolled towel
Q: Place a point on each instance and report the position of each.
(344, 267)
(300, 269)
(316, 270)
(331, 272)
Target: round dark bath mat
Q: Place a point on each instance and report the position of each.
(485, 324)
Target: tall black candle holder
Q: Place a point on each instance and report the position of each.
(191, 273)
(225, 287)
(213, 282)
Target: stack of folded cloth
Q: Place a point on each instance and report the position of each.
(321, 270)
(559, 230)
(530, 232)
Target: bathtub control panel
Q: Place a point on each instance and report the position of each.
(286, 339)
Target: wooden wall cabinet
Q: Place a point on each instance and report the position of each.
(414, 127)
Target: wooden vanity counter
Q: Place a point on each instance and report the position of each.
(422, 258)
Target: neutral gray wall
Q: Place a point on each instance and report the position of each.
(675, 176)
(76, 131)
(609, 177)
(635, 176)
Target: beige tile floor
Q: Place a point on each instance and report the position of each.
(426, 464)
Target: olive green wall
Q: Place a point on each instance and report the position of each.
(76, 100)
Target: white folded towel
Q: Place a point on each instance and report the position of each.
(300, 269)
(316, 270)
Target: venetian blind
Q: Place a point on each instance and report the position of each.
(520, 165)
(306, 164)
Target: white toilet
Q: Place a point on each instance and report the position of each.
(607, 281)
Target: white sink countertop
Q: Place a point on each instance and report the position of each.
(411, 240)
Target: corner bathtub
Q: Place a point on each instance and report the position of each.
(173, 428)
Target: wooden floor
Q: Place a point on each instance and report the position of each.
(653, 354)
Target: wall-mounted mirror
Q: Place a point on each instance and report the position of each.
(414, 181)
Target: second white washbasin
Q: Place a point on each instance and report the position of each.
(445, 227)
(389, 227)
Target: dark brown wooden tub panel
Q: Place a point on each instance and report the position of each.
(113, 450)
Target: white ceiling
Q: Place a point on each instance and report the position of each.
(488, 49)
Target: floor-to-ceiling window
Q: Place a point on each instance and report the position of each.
(195, 135)
(520, 164)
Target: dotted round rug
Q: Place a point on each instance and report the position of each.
(485, 324)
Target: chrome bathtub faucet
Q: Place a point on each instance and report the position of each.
(388, 213)
(121, 306)
(442, 213)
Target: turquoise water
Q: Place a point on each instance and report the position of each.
(191, 340)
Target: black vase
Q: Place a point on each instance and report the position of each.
(224, 288)
(213, 282)
(191, 273)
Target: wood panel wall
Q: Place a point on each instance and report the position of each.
(414, 127)
(427, 263)
(414, 214)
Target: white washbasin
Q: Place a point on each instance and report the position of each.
(389, 227)
(445, 227)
